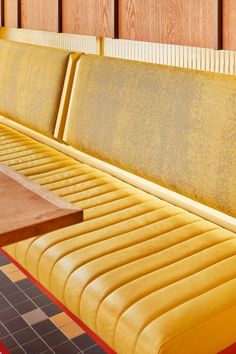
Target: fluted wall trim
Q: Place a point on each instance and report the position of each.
(86, 44)
(189, 57)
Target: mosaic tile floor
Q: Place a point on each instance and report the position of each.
(31, 323)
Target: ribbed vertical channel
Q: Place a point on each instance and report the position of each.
(174, 55)
(78, 43)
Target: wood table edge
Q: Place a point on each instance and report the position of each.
(42, 228)
(37, 188)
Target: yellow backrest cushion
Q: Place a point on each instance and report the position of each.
(31, 83)
(172, 126)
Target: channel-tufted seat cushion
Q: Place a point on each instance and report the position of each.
(144, 275)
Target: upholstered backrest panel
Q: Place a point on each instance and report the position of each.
(172, 126)
(31, 83)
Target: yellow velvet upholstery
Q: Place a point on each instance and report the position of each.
(31, 84)
(172, 126)
(144, 275)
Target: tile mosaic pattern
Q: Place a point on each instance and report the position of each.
(30, 323)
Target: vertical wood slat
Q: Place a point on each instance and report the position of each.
(89, 17)
(12, 13)
(218, 24)
(42, 15)
(229, 22)
(179, 22)
(1, 13)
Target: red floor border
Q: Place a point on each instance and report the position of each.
(3, 349)
(229, 350)
(98, 340)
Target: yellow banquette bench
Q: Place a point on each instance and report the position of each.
(149, 153)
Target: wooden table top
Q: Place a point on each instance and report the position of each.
(27, 209)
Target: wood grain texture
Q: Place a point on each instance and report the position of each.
(229, 24)
(41, 15)
(12, 13)
(181, 22)
(27, 209)
(90, 17)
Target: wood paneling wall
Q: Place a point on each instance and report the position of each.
(181, 22)
(90, 17)
(195, 23)
(41, 15)
(12, 13)
(229, 24)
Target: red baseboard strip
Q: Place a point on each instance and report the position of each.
(229, 350)
(98, 340)
(3, 350)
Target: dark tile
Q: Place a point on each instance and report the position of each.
(32, 292)
(67, 347)
(42, 301)
(95, 350)
(54, 338)
(8, 314)
(17, 298)
(9, 289)
(37, 346)
(24, 284)
(44, 327)
(4, 281)
(3, 331)
(4, 261)
(84, 341)
(16, 325)
(25, 335)
(25, 307)
(4, 304)
(9, 342)
(49, 352)
(51, 310)
(2, 275)
(17, 351)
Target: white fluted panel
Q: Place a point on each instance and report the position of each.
(86, 44)
(188, 57)
(174, 55)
